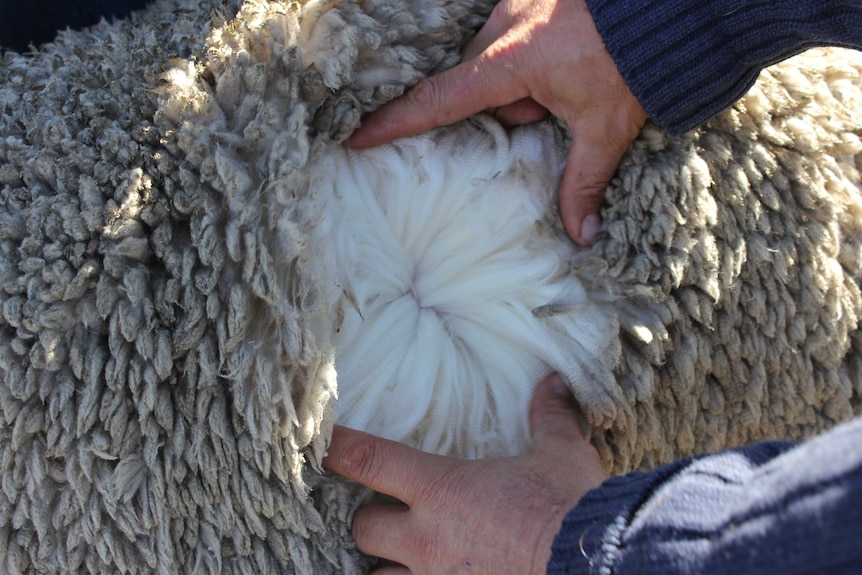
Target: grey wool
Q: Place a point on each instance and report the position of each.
(167, 328)
(743, 241)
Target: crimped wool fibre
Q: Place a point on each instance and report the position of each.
(458, 292)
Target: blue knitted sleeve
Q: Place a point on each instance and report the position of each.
(763, 509)
(686, 60)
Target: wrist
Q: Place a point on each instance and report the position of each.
(550, 521)
(591, 532)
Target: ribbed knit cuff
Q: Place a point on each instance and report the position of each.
(687, 60)
(591, 533)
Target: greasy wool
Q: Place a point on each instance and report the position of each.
(171, 311)
(745, 238)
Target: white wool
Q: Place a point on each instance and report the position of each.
(445, 257)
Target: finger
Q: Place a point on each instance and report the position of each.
(453, 95)
(385, 466)
(378, 530)
(524, 111)
(554, 413)
(589, 168)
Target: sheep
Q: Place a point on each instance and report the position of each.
(171, 310)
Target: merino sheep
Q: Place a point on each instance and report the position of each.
(171, 306)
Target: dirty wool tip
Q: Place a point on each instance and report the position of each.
(443, 251)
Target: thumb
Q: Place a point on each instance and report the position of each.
(589, 168)
(554, 413)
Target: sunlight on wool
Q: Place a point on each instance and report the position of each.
(444, 253)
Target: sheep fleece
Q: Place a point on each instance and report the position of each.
(166, 389)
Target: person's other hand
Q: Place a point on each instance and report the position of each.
(486, 516)
(532, 56)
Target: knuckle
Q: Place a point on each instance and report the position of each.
(428, 95)
(592, 196)
(360, 460)
(443, 492)
(425, 93)
(585, 198)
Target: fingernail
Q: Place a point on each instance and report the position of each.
(590, 227)
(558, 386)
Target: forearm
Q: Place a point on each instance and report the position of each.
(687, 60)
(767, 508)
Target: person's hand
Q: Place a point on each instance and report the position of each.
(532, 56)
(486, 516)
